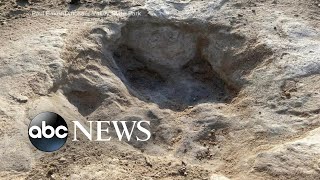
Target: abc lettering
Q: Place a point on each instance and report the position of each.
(36, 132)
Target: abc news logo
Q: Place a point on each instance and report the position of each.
(48, 131)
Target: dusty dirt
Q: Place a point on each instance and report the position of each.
(231, 88)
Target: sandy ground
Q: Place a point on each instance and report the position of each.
(231, 88)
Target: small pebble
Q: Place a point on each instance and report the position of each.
(62, 159)
(22, 99)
